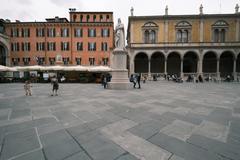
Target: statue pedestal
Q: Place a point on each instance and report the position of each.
(120, 80)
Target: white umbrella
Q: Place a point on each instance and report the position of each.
(75, 68)
(52, 68)
(99, 69)
(7, 69)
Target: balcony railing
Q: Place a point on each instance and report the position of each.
(189, 44)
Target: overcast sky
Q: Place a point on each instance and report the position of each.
(38, 10)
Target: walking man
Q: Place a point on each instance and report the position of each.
(55, 84)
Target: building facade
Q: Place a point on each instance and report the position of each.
(85, 39)
(204, 44)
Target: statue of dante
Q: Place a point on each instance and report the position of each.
(119, 35)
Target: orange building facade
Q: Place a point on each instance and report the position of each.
(85, 39)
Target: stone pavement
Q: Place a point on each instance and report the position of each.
(161, 121)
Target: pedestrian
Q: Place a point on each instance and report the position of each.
(139, 80)
(144, 79)
(55, 85)
(27, 88)
(105, 81)
(133, 80)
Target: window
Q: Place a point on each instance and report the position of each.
(91, 61)
(25, 32)
(15, 61)
(182, 36)
(52, 61)
(79, 46)
(101, 18)
(66, 61)
(14, 32)
(92, 46)
(40, 32)
(51, 32)
(104, 46)
(81, 18)
(183, 31)
(26, 61)
(26, 46)
(78, 61)
(92, 32)
(78, 32)
(220, 29)
(88, 18)
(64, 32)
(15, 47)
(51, 46)
(40, 46)
(65, 46)
(40, 60)
(105, 61)
(150, 32)
(105, 32)
(94, 18)
(108, 18)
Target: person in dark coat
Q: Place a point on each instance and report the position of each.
(139, 80)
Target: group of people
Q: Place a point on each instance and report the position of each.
(105, 79)
(54, 83)
(136, 79)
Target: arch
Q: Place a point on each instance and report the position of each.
(3, 55)
(190, 62)
(174, 63)
(150, 24)
(210, 62)
(238, 63)
(226, 63)
(141, 63)
(220, 23)
(183, 24)
(157, 62)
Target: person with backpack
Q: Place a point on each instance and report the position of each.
(54, 82)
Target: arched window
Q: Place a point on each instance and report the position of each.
(219, 29)
(146, 36)
(150, 30)
(152, 37)
(183, 31)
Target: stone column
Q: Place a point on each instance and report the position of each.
(181, 72)
(237, 30)
(165, 67)
(201, 30)
(149, 68)
(218, 73)
(200, 65)
(166, 31)
(234, 69)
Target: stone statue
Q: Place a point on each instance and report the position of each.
(132, 10)
(201, 9)
(166, 10)
(119, 35)
(236, 8)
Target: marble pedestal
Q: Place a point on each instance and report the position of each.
(120, 80)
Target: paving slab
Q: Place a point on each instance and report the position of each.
(223, 149)
(19, 113)
(59, 145)
(35, 155)
(79, 156)
(86, 116)
(28, 140)
(147, 129)
(213, 130)
(179, 129)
